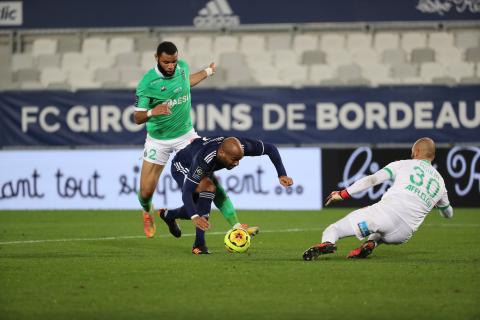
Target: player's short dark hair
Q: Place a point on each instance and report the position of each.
(167, 47)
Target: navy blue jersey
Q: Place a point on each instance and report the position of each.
(199, 159)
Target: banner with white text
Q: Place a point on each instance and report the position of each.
(459, 167)
(341, 115)
(92, 179)
(230, 13)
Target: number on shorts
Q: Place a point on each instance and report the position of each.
(152, 154)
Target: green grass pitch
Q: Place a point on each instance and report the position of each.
(98, 265)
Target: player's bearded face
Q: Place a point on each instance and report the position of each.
(167, 64)
(230, 162)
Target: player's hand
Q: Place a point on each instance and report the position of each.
(285, 181)
(214, 67)
(201, 223)
(337, 196)
(161, 109)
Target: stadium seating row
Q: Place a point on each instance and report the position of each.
(327, 58)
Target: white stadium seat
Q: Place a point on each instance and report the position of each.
(283, 57)
(320, 72)
(413, 40)
(225, 43)
(74, 60)
(200, 44)
(96, 61)
(332, 42)
(252, 43)
(305, 42)
(94, 46)
(52, 75)
(22, 61)
(120, 44)
(461, 70)
(82, 79)
(440, 40)
(430, 70)
(44, 46)
(358, 41)
(386, 40)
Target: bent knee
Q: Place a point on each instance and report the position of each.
(206, 184)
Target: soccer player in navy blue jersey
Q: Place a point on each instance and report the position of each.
(193, 168)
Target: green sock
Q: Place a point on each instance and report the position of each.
(224, 204)
(145, 203)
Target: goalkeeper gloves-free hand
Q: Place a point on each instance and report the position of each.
(337, 196)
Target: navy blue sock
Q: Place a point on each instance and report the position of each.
(204, 206)
(199, 237)
(179, 213)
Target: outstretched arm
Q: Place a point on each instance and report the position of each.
(359, 185)
(368, 181)
(188, 191)
(444, 206)
(198, 77)
(253, 148)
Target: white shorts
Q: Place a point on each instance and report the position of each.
(379, 219)
(158, 151)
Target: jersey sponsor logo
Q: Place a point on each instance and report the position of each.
(208, 140)
(180, 100)
(216, 13)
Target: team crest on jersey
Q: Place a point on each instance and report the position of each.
(197, 174)
(177, 90)
(183, 75)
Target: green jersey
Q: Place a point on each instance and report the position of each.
(155, 89)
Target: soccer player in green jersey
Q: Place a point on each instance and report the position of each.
(163, 102)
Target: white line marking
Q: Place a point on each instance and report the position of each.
(141, 237)
(456, 225)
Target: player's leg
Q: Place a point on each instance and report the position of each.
(169, 216)
(206, 193)
(363, 251)
(344, 227)
(224, 204)
(148, 182)
(389, 228)
(155, 156)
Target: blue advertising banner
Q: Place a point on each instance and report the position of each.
(227, 13)
(343, 115)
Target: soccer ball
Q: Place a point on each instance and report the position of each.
(237, 240)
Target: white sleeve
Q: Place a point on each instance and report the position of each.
(444, 206)
(369, 181)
